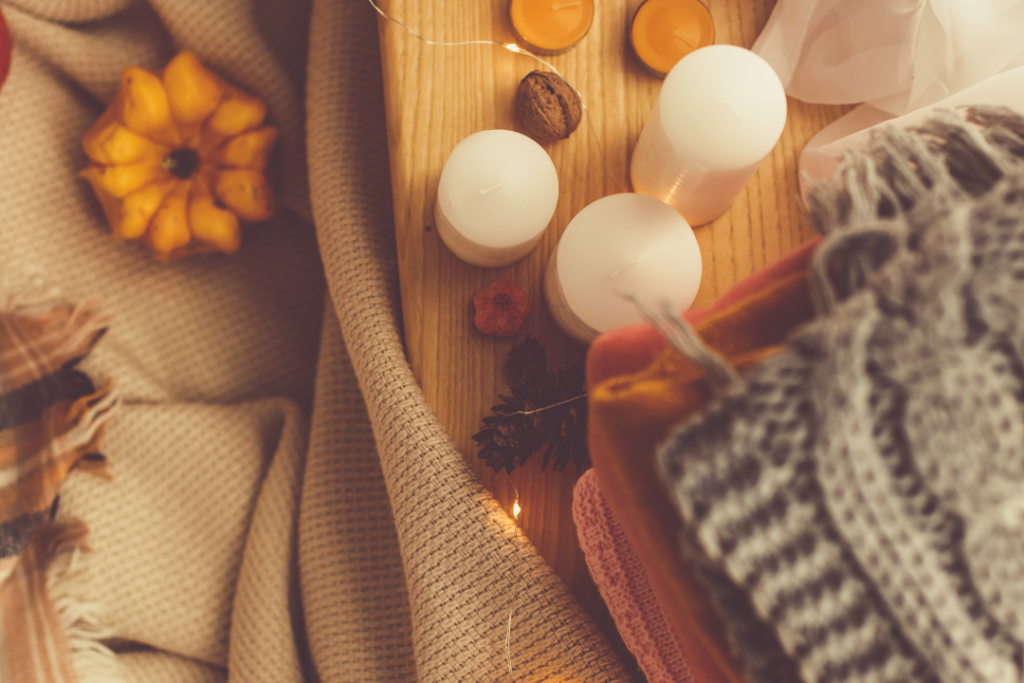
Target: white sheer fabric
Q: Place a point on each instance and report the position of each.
(898, 57)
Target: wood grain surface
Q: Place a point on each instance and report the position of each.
(436, 96)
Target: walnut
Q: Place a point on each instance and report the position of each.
(548, 106)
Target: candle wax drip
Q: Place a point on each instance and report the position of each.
(492, 188)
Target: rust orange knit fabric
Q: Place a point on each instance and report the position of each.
(631, 413)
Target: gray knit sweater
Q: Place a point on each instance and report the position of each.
(856, 503)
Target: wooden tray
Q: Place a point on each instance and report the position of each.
(435, 97)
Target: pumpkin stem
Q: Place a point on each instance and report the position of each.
(182, 162)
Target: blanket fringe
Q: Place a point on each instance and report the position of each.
(26, 289)
(81, 618)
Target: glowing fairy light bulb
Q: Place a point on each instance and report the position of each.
(516, 509)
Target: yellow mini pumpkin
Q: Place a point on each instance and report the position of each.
(177, 160)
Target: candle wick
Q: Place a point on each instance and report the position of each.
(565, 5)
(739, 117)
(623, 269)
(685, 39)
(492, 188)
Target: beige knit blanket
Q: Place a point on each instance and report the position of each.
(285, 506)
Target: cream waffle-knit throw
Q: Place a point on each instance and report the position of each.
(857, 501)
(234, 543)
(457, 557)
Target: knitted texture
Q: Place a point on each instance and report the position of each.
(620, 577)
(856, 502)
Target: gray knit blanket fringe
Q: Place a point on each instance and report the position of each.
(856, 503)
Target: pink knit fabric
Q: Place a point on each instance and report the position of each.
(620, 577)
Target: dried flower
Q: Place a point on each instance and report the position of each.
(501, 308)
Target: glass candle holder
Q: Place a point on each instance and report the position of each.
(550, 27)
(665, 31)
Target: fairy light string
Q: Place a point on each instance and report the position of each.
(512, 47)
(541, 410)
(516, 510)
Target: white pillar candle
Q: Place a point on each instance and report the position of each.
(719, 113)
(623, 244)
(497, 193)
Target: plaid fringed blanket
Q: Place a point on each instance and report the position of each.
(51, 419)
(34, 640)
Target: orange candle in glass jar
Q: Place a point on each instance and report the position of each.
(665, 31)
(550, 27)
